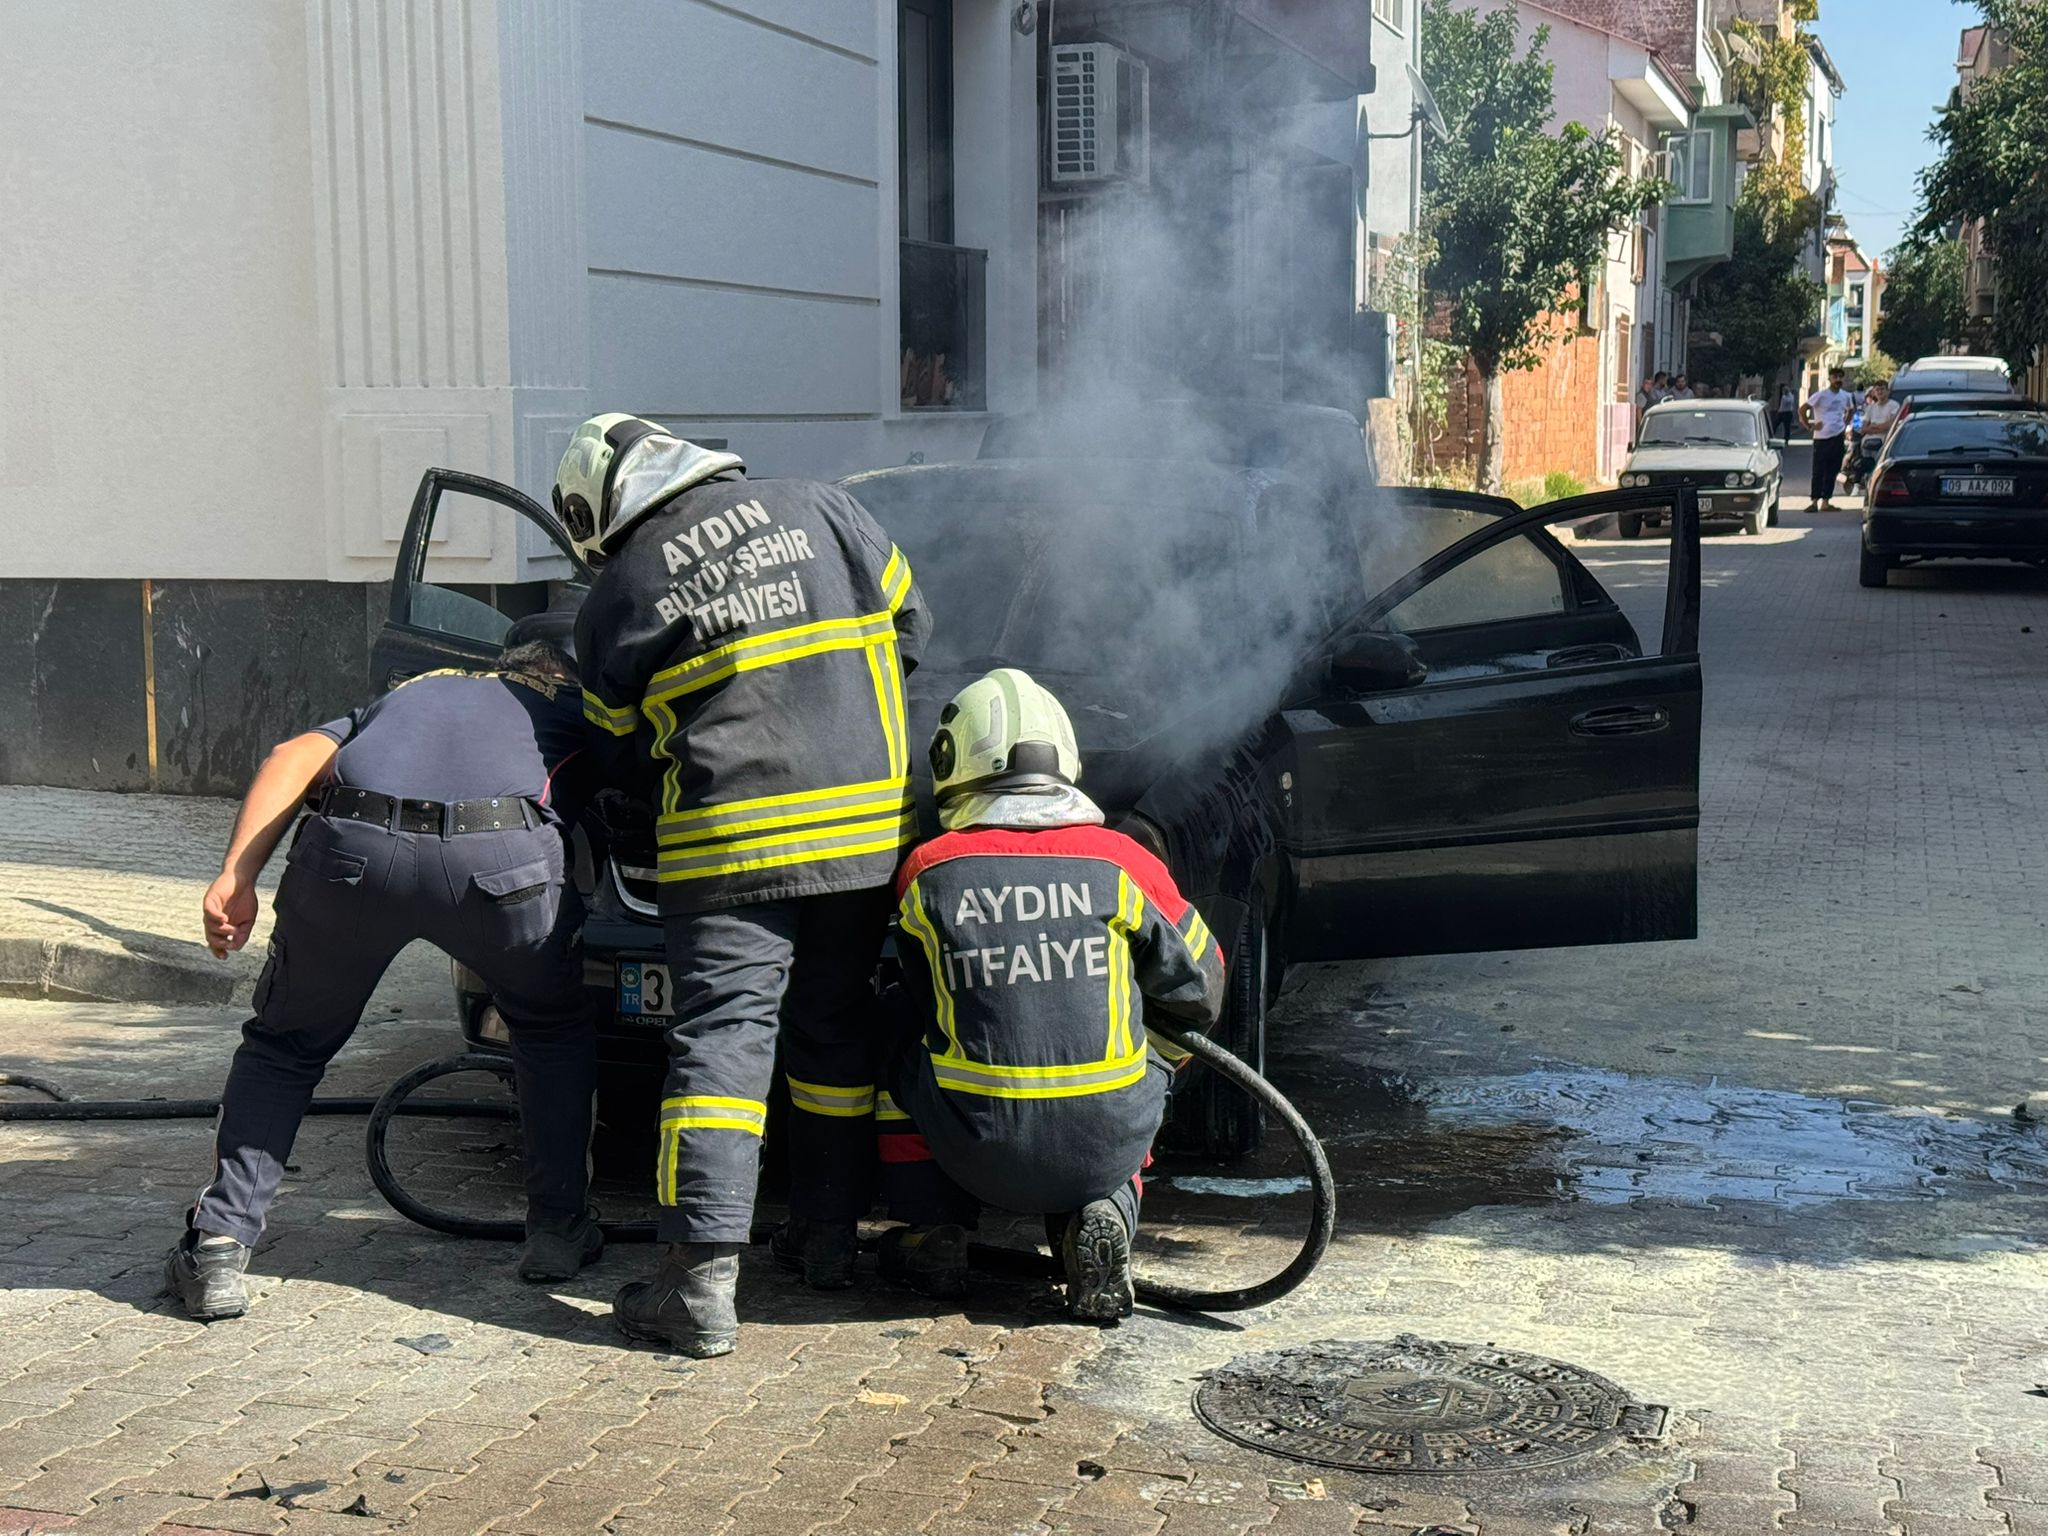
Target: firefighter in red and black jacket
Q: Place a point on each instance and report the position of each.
(1033, 939)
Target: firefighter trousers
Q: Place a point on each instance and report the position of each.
(801, 969)
(354, 894)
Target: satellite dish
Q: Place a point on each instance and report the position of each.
(1426, 109)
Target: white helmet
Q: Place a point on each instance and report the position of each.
(619, 468)
(1003, 731)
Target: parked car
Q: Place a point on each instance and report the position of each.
(1724, 447)
(1952, 375)
(1950, 402)
(1446, 738)
(1968, 485)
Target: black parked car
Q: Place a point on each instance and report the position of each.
(1395, 723)
(1968, 485)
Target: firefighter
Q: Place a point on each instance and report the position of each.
(1033, 938)
(439, 813)
(747, 642)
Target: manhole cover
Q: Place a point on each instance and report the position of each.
(1419, 1405)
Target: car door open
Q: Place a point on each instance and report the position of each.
(1525, 773)
(436, 624)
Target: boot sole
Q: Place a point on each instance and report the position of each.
(1099, 1290)
(192, 1295)
(541, 1272)
(699, 1346)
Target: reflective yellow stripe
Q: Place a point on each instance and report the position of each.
(1197, 935)
(1130, 916)
(774, 850)
(698, 1112)
(890, 698)
(825, 1099)
(918, 924)
(741, 808)
(889, 802)
(886, 1110)
(958, 1075)
(620, 722)
(896, 579)
(771, 649)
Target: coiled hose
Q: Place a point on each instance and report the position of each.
(397, 1100)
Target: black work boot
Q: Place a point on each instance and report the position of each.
(930, 1260)
(822, 1251)
(1096, 1250)
(688, 1305)
(206, 1277)
(558, 1255)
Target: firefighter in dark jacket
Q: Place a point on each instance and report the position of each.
(747, 641)
(1033, 939)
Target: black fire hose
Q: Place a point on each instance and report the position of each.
(397, 1100)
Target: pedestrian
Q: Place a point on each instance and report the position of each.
(1653, 391)
(439, 813)
(1033, 940)
(1680, 389)
(1826, 416)
(749, 640)
(1788, 407)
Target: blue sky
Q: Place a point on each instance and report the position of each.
(1897, 58)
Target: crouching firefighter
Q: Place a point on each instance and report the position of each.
(1032, 938)
(439, 813)
(752, 637)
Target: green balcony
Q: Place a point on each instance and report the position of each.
(1699, 218)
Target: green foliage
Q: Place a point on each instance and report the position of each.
(1428, 404)
(1925, 303)
(1777, 81)
(1518, 217)
(1880, 368)
(1991, 150)
(1558, 485)
(1760, 301)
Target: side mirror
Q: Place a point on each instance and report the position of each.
(1378, 661)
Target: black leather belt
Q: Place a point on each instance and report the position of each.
(443, 818)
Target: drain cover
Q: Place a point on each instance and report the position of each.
(1419, 1405)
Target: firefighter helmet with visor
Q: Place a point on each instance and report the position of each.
(1003, 731)
(617, 469)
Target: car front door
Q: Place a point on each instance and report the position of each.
(1539, 785)
(433, 625)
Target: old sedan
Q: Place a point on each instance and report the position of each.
(1724, 447)
(1393, 723)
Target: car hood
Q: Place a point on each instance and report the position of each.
(1694, 459)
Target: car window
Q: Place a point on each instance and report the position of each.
(1515, 579)
(462, 528)
(1703, 428)
(1943, 434)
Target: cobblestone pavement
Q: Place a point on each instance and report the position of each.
(1767, 1181)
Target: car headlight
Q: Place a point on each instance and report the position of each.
(1749, 477)
(1630, 482)
(1732, 479)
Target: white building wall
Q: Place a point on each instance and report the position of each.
(160, 394)
(1393, 187)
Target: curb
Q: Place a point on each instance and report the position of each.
(90, 969)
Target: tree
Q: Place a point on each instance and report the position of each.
(1993, 166)
(1518, 218)
(1925, 306)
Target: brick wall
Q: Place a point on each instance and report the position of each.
(1669, 26)
(1554, 414)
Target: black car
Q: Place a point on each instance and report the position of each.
(1396, 723)
(1938, 402)
(1952, 375)
(1970, 485)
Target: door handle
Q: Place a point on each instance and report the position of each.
(396, 676)
(1621, 720)
(1585, 655)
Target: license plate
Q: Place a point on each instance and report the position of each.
(644, 990)
(1976, 485)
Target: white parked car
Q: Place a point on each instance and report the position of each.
(1724, 447)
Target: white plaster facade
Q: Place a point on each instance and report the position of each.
(263, 266)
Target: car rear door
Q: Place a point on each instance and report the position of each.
(432, 624)
(1540, 786)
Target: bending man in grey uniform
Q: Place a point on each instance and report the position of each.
(441, 814)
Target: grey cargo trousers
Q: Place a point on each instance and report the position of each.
(354, 894)
(802, 970)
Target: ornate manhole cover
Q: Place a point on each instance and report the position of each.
(1419, 1405)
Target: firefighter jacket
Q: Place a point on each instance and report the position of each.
(752, 637)
(1030, 956)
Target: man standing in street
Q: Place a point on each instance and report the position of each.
(1826, 415)
(752, 637)
(440, 815)
(1787, 410)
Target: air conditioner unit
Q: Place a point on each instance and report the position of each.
(1101, 117)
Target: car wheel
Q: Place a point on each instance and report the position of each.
(1772, 520)
(1209, 1116)
(1874, 570)
(1753, 523)
(1631, 524)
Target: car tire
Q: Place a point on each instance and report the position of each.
(1873, 570)
(1772, 520)
(1630, 524)
(1753, 522)
(1209, 1116)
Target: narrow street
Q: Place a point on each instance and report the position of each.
(1769, 1183)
